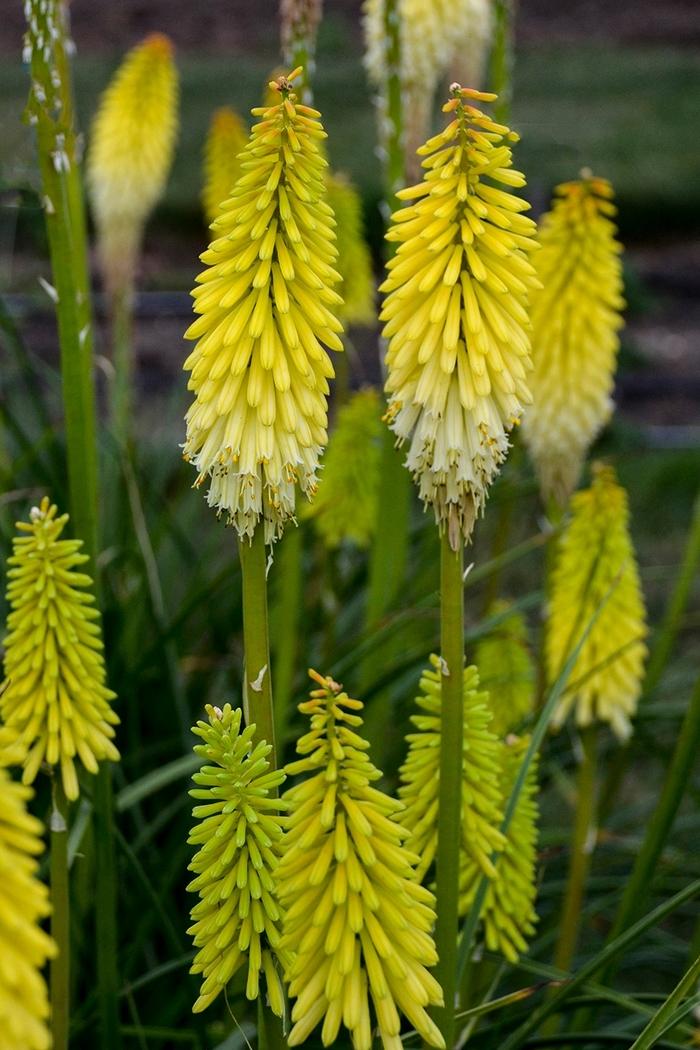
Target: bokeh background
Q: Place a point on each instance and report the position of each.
(612, 87)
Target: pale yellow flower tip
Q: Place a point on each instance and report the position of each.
(55, 704)
(482, 803)
(24, 904)
(456, 315)
(267, 312)
(237, 919)
(357, 921)
(594, 560)
(576, 317)
(508, 913)
(345, 507)
(227, 137)
(131, 151)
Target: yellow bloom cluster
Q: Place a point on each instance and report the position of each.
(238, 835)
(506, 669)
(55, 697)
(482, 808)
(456, 314)
(576, 317)
(508, 912)
(594, 560)
(345, 507)
(356, 919)
(260, 370)
(24, 947)
(133, 138)
(354, 261)
(227, 137)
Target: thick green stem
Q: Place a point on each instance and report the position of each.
(450, 796)
(63, 209)
(257, 689)
(60, 920)
(299, 26)
(389, 551)
(257, 693)
(286, 615)
(393, 126)
(581, 851)
(50, 110)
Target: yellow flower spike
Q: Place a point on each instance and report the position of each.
(508, 913)
(24, 903)
(239, 831)
(55, 699)
(227, 137)
(506, 669)
(267, 312)
(482, 803)
(345, 506)
(594, 559)
(455, 315)
(357, 920)
(133, 138)
(576, 317)
(354, 261)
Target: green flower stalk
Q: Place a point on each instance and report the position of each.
(354, 260)
(345, 507)
(299, 22)
(55, 698)
(226, 138)
(594, 560)
(436, 37)
(239, 832)
(482, 799)
(357, 922)
(506, 669)
(508, 913)
(24, 904)
(267, 309)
